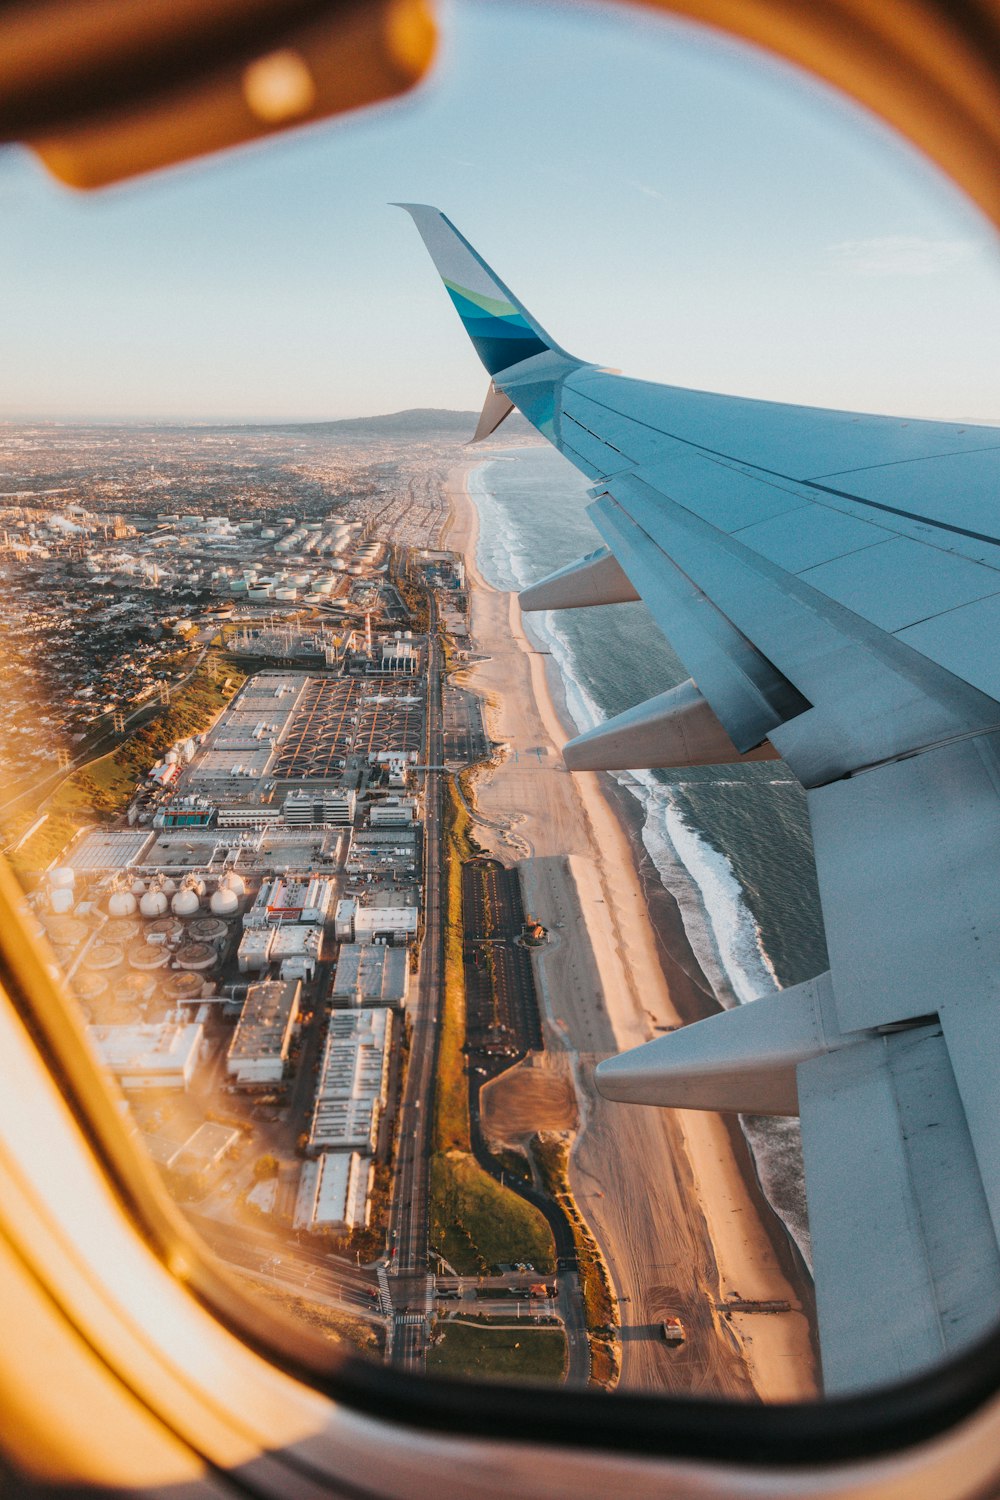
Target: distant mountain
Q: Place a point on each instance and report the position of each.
(419, 422)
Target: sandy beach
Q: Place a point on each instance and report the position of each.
(670, 1195)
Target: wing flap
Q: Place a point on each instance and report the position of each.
(905, 1257)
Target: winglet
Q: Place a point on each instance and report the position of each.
(503, 331)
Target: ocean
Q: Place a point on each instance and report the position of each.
(731, 843)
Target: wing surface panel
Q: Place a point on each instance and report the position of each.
(884, 1132)
(831, 580)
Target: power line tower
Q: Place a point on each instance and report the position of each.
(118, 721)
(164, 692)
(62, 758)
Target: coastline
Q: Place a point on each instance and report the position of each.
(629, 970)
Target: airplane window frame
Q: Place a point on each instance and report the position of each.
(937, 98)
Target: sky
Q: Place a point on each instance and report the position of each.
(664, 201)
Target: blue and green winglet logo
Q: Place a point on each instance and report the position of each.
(500, 333)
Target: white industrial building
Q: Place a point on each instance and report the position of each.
(332, 807)
(255, 949)
(385, 924)
(334, 1192)
(150, 1055)
(343, 919)
(393, 812)
(305, 899)
(371, 974)
(353, 1079)
(296, 948)
(263, 1033)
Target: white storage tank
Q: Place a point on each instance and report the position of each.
(224, 902)
(121, 904)
(138, 886)
(233, 881)
(153, 903)
(62, 878)
(171, 757)
(185, 902)
(62, 899)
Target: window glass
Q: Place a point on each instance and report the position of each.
(282, 766)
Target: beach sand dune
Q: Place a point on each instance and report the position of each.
(670, 1195)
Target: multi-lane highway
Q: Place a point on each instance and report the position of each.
(410, 1285)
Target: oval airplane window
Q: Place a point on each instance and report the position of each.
(285, 767)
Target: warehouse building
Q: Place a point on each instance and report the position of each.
(353, 1081)
(371, 974)
(263, 1034)
(334, 1192)
(149, 1055)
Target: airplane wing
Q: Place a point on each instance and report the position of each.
(831, 580)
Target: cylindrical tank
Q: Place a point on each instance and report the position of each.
(65, 932)
(196, 956)
(104, 955)
(138, 886)
(62, 899)
(233, 881)
(153, 904)
(224, 902)
(62, 876)
(183, 986)
(207, 930)
(185, 903)
(121, 904)
(164, 929)
(87, 985)
(134, 989)
(121, 930)
(147, 955)
(167, 886)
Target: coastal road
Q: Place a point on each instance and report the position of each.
(310, 1273)
(408, 1217)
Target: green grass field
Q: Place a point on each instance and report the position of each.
(478, 1352)
(476, 1223)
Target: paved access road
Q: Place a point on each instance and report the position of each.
(410, 1285)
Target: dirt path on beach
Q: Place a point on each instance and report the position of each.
(664, 1191)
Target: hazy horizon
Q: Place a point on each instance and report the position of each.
(664, 201)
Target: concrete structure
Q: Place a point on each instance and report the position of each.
(371, 974)
(343, 921)
(384, 851)
(385, 924)
(306, 900)
(263, 1033)
(149, 1056)
(334, 1192)
(255, 949)
(351, 1093)
(394, 812)
(296, 948)
(333, 807)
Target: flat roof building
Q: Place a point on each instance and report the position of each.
(385, 924)
(149, 1055)
(334, 1192)
(353, 1079)
(263, 1033)
(371, 974)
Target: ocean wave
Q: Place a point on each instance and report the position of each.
(723, 933)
